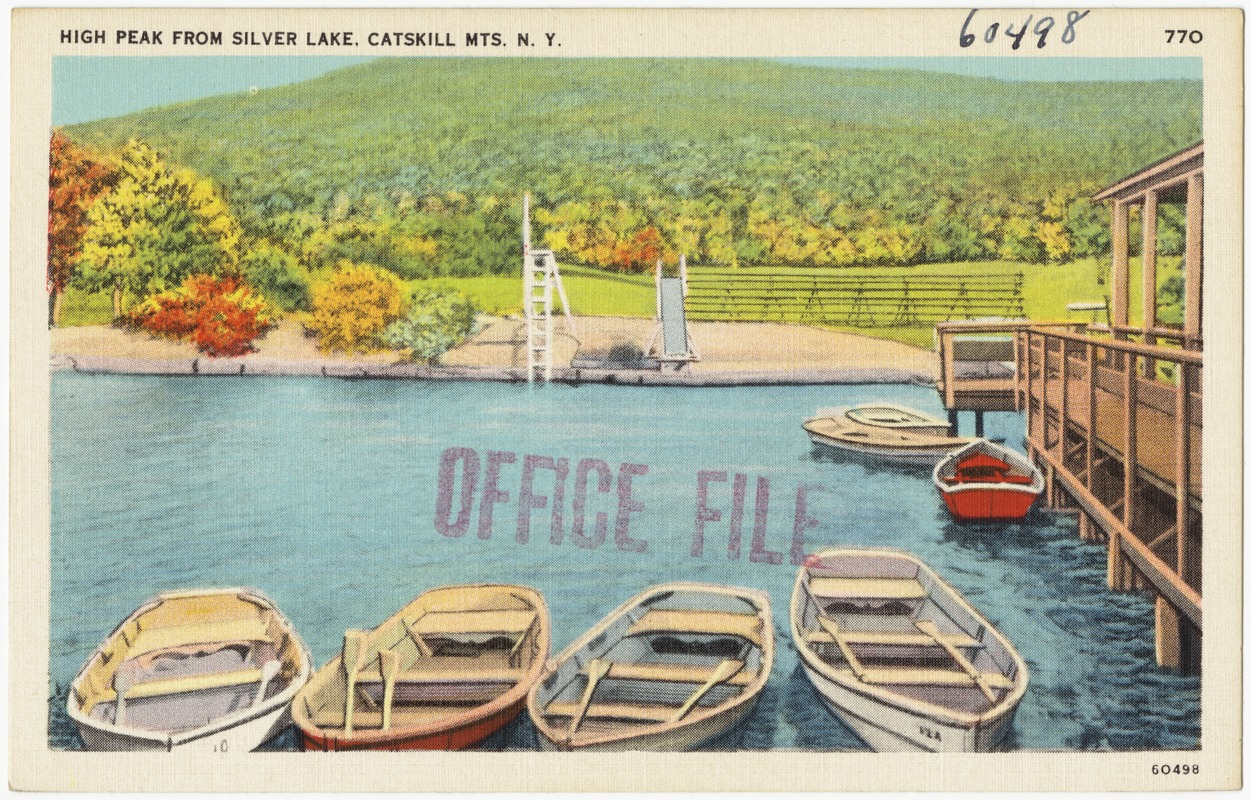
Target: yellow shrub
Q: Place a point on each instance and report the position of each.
(351, 309)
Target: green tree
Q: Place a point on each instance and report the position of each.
(437, 320)
(154, 228)
(277, 275)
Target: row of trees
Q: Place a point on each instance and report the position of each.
(136, 223)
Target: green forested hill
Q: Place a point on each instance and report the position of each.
(732, 161)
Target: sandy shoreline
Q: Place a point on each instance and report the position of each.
(732, 354)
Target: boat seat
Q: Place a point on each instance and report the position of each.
(510, 621)
(930, 677)
(867, 588)
(678, 621)
(190, 683)
(250, 629)
(633, 712)
(892, 638)
(675, 673)
(420, 674)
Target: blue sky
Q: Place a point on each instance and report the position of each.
(89, 88)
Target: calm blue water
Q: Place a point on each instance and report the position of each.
(323, 494)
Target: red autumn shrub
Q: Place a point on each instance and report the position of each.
(222, 316)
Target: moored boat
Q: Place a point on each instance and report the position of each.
(884, 431)
(986, 481)
(446, 671)
(905, 661)
(672, 668)
(210, 670)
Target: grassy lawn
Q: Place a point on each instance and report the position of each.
(594, 292)
(86, 308)
(591, 292)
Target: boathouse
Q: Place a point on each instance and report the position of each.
(1114, 411)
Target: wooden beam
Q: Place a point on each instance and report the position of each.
(1091, 427)
(1120, 264)
(949, 369)
(1167, 635)
(1130, 454)
(1115, 573)
(1149, 213)
(1193, 302)
(1016, 361)
(1042, 402)
(1064, 395)
(1181, 418)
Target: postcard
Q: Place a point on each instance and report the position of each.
(626, 400)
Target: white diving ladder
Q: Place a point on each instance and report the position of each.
(539, 277)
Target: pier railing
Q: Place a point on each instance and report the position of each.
(1117, 426)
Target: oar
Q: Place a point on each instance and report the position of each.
(725, 670)
(269, 671)
(353, 649)
(931, 630)
(122, 681)
(422, 646)
(594, 672)
(389, 667)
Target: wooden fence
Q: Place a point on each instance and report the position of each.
(906, 298)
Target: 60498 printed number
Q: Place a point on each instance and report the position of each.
(1174, 769)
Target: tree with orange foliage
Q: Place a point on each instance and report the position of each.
(639, 252)
(75, 180)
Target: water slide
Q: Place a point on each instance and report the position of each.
(673, 319)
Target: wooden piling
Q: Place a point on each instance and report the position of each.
(1168, 645)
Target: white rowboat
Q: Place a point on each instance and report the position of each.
(900, 656)
(885, 432)
(671, 669)
(203, 670)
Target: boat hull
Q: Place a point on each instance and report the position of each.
(993, 494)
(458, 737)
(690, 737)
(918, 457)
(887, 728)
(231, 735)
(973, 503)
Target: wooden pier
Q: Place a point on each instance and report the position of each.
(1114, 413)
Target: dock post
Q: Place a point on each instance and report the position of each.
(979, 428)
(1114, 561)
(1086, 528)
(1168, 650)
(1051, 484)
(953, 422)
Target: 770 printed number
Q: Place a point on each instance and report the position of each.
(1183, 37)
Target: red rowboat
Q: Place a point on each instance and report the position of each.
(449, 669)
(986, 481)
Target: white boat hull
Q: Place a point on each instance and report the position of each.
(892, 729)
(228, 735)
(927, 458)
(673, 741)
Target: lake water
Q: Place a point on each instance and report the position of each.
(323, 494)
